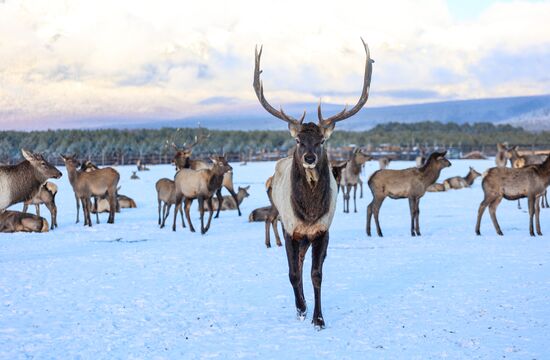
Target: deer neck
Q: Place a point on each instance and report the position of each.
(430, 172)
(72, 173)
(310, 189)
(470, 178)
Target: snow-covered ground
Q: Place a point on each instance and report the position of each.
(132, 290)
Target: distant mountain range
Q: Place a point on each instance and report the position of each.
(529, 112)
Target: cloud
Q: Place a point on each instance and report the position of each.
(62, 62)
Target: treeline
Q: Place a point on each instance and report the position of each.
(154, 145)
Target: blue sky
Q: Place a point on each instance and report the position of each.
(64, 63)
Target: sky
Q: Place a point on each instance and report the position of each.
(86, 63)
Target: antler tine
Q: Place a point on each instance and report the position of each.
(259, 89)
(344, 114)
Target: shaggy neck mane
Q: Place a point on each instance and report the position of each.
(430, 170)
(31, 179)
(310, 199)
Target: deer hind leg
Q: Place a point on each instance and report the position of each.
(348, 196)
(97, 210)
(537, 214)
(546, 199)
(232, 192)
(531, 204)
(318, 255)
(417, 211)
(354, 195)
(376, 204)
(53, 214)
(293, 250)
(159, 203)
(165, 213)
(177, 206)
(480, 212)
(37, 206)
(77, 208)
(181, 214)
(113, 203)
(267, 235)
(188, 203)
(344, 197)
(276, 232)
(519, 204)
(361, 189)
(493, 212)
(210, 213)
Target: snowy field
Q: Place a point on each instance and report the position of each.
(132, 290)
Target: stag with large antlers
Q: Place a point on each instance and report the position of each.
(304, 190)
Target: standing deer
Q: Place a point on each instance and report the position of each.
(269, 215)
(16, 221)
(166, 197)
(511, 184)
(183, 160)
(410, 183)
(518, 161)
(459, 182)
(87, 166)
(304, 192)
(201, 185)
(94, 183)
(351, 177)
(46, 196)
(22, 181)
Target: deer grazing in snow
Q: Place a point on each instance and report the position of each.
(351, 176)
(410, 183)
(95, 183)
(16, 221)
(46, 196)
(166, 197)
(304, 191)
(183, 160)
(459, 182)
(22, 181)
(201, 185)
(511, 184)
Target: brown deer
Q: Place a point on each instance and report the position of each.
(270, 216)
(94, 183)
(16, 221)
(351, 177)
(518, 161)
(46, 196)
(22, 181)
(501, 157)
(183, 160)
(166, 197)
(459, 182)
(304, 191)
(384, 162)
(511, 184)
(228, 202)
(201, 185)
(134, 176)
(87, 166)
(123, 202)
(437, 187)
(337, 168)
(409, 183)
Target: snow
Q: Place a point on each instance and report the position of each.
(132, 290)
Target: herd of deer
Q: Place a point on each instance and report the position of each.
(302, 191)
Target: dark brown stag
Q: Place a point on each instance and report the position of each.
(304, 191)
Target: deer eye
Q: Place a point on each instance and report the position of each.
(322, 141)
(297, 141)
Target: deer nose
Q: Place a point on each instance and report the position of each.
(310, 158)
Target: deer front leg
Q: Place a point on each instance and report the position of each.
(319, 253)
(210, 213)
(417, 216)
(354, 202)
(412, 209)
(220, 202)
(276, 232)
(97, 210)
(267, 235)
(77, 208)
(234, 196)
(188, 203)
(493, 212)
(531, 204)
(537, 214)
(294, 274)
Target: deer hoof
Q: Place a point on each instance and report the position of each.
(319, 323)
(301, 314)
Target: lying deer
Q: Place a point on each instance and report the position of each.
(437, 187)
(46, 196)
(409, 183)
(304, 191)
(459, 182)
(201, 185)
(15, 221)
(351, 177)
(166, 197)
(123, 202)
(228, 203)
(94, 183)
(512, 184)
(22, 181)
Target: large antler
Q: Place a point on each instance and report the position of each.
(344, 114)
(201, 137)
(259, 88)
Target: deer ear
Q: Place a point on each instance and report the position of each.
(247, 187)
(27, 155)
(294, 129)
(327, 131)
